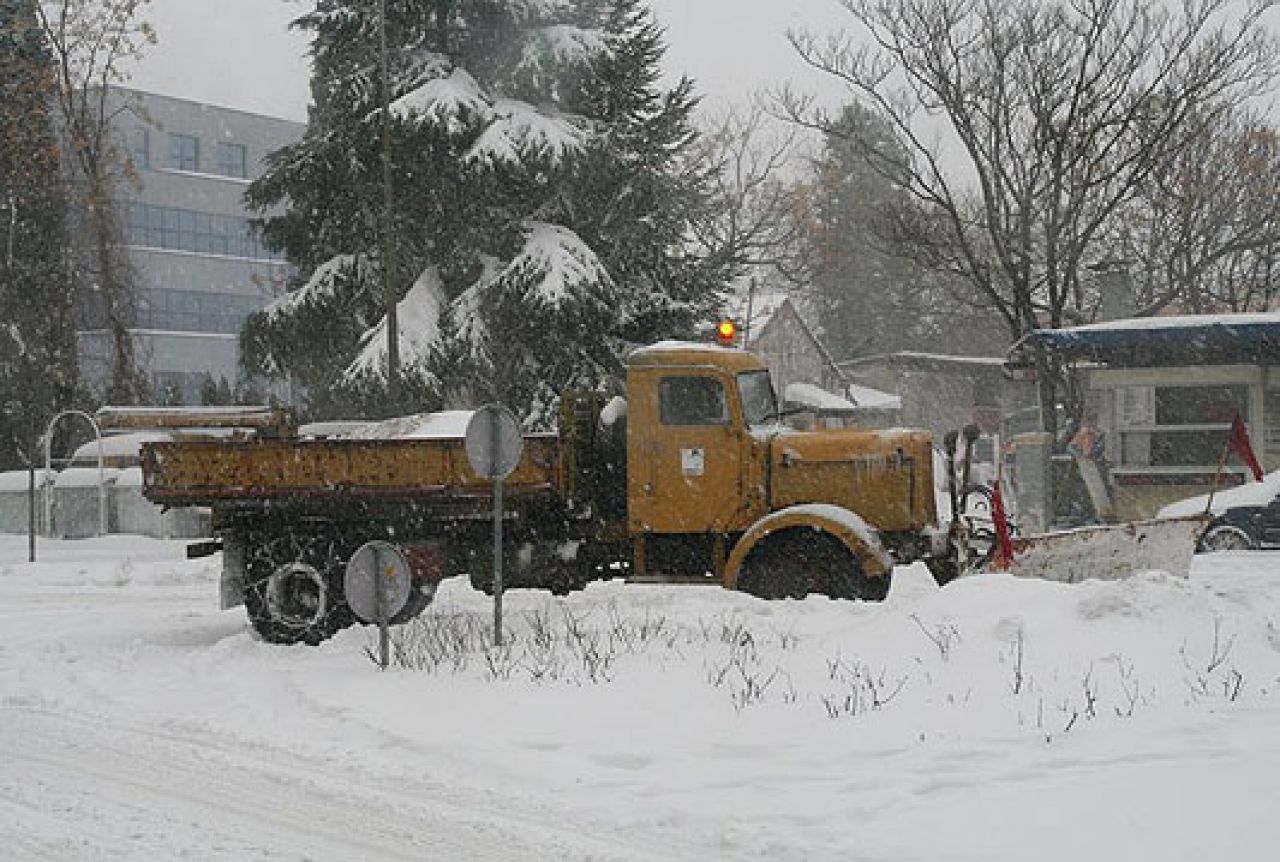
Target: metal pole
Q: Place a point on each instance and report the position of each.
(388, 249)
(380, 587)
(1217, 477)
(46, 486)
(31, 505)
(497, 532)
(102, 486)
(497, 562)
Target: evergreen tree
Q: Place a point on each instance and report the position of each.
(542, 199)
(37, 339)
(869, 295)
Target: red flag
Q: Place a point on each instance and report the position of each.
(1004, 545)
(1238, 442)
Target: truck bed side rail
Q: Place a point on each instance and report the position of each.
(206, 473)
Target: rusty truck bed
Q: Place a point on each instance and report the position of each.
(207, 473)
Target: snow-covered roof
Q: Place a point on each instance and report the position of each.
(817, 398)
(1177, 321)
(932, 361)
(1250, 494)
(866, 397)
(1175, 340)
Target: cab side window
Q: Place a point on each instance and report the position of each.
(692, 401)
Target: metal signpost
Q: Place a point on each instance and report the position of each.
(377, 586)
(494, 445)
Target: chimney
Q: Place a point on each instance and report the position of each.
(1115, 290)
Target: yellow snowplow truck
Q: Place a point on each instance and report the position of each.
(692, 478)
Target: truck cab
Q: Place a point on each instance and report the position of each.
(717, 483)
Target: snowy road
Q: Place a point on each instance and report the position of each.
(993, 720)
(91, 787)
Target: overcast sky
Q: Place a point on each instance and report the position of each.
(241, 54)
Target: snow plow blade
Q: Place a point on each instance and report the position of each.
(1109, 552)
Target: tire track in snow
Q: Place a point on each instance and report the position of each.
(84, 788)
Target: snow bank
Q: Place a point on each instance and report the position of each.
(997, 719)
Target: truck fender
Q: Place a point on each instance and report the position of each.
(841, 524)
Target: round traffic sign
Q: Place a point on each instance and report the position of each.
(377, 565)
(493, 442)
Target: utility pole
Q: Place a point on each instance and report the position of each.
(389, 298)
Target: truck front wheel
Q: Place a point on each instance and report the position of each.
(294, 588)
(796, 562)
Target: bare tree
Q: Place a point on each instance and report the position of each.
(870, 295)
(1204, 232)
(1056, 112)
(92, 43)
(751, 223)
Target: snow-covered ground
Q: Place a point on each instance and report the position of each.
(995, 719)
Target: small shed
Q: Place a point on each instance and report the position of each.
(944, 392)
(1164, 392)
(776, 331)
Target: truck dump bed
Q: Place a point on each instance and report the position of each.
(208, 473)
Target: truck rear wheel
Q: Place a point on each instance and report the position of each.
(794, 563)
(294, 587)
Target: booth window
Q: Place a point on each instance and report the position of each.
(1176, 426)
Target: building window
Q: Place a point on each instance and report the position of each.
(1176, 426)
(151, 226)
(139, 150)
(184, 152)
(194, 311)
(232, 160)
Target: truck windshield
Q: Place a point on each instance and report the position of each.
(758, 404)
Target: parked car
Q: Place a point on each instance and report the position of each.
(1243, 528)
(1245, 518)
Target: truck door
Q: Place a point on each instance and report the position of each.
(690, 457)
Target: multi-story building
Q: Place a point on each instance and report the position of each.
(199, 268)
